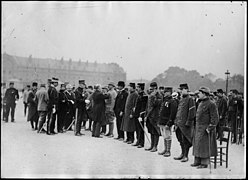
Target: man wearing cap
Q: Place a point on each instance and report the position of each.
(184, 122)
(70, 101)
(32, 107)
(161, 90)
(152, 116)
(42, 101)
(119, 108)
(52, 106)
(167, 116)
(128, 123)
(222, 109)
(205, 132)
(11, 96)
(139, 111)
(81, 95)
(110, 115)
(25, 99)
(62, 108)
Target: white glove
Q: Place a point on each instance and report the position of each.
(140, 119)
(54, 110)
(87, 101)
(72, 101)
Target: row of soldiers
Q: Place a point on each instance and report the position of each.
(193, 115)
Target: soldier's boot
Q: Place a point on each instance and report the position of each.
(185, 157)
(182, 153)
(156, 139)
(167, 153)
(165, 148)
(152, 143)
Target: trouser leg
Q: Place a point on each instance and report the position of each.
(7, 112)
(13, 112)
(79, 121)
(118, 124)
(103, 129)
(111, 128)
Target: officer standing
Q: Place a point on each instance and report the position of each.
(81, 95)
(184, 122)
(11, 96)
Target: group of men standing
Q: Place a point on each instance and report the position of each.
(195, 120)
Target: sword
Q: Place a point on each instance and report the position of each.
(143, 127)
(70, 125)
(209, 148)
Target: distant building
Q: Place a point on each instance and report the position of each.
(25, 70)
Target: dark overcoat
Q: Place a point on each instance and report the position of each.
(152, 112)
(185, 116)
(81, 95)
(98, 109)
(140, 105)
(32, 107)
(128, 124)
(206, 117)
(120, 102)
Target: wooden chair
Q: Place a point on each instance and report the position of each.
(222, 147)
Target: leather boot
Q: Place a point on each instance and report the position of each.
(167, 153)
(165, 148)
(152, 143)
(156, 139)
(182, 153)
(185, 157)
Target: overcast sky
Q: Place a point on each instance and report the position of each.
(145, 38)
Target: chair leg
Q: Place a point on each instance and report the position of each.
(215, 162)
(221, 156)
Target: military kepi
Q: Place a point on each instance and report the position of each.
(121, 83)
(132, 85)
(183, 86)
(141, 85)
(168, 89)
(81, 81)
(153, 84)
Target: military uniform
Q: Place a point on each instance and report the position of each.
(11, 95)
(70, 102)
(33, 115)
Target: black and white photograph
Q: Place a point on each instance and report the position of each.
(123, 89)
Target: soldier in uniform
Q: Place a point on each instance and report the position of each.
(140, 107)
(128, 123)
(205, 135)
(70, 101)
(11, 96)
(33, 115)
(184, 122)
(51, 109)
(152, 116)
(119, 108)
(167, 116)
(81, 95)
(222, 109)
(161, 90)
(62, 109)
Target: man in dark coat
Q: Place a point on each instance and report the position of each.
(222, 109)
(81, 95)
(62, 109)
(184, 122)
(119, 108)
(52, 106)
(140, 107)
(70, 102)
(152, 116)
(98, 110)
(205, 130)
(167, 116)
(32, 107)
(128, 123)
(11, 96)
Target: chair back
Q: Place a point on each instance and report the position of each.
(226, 132)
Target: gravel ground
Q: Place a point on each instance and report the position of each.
(26, 154)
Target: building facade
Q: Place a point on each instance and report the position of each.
(25, 70)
